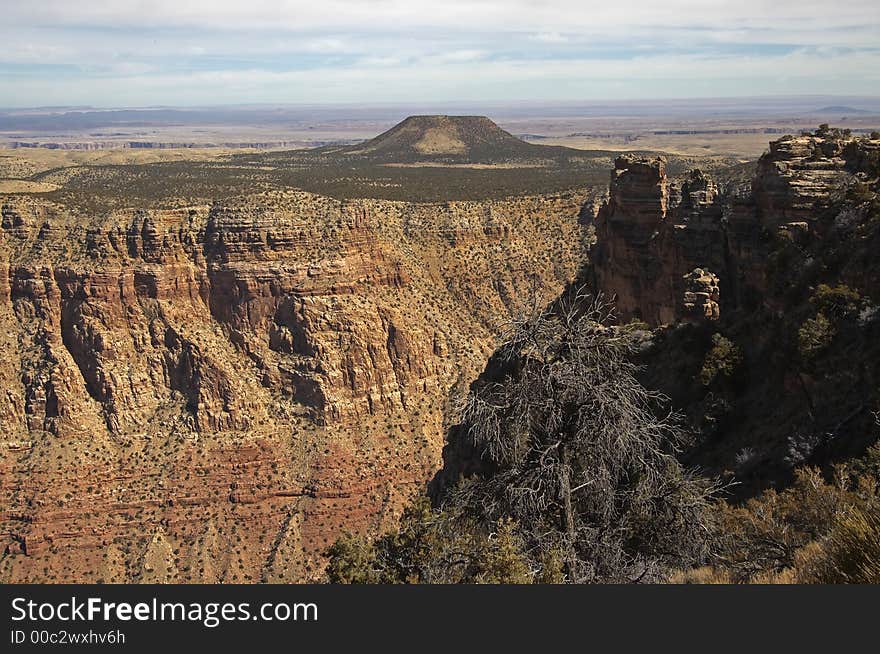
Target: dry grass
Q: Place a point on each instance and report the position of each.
(23, 162)
(472, 166)
(702, 575)
(742, 146)
(24, 186)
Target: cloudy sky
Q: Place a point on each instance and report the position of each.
(189, 52)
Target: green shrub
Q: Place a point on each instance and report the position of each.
(352, 560)
(722, 360)
(431, 546)
(817, 530)
(869, 464)
(814, 336)
(503, 561)
(836, 301)
(764, 534)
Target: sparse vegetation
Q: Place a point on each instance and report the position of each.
(815, 531)
(430, 546)
(839, 301)
(721, 361)
(852, 552)
(814, 336)
(575, 467)
(565, 467)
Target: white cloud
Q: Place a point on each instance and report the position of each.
(165, 51)
(543, 17)
(380, 61)
(456, 56)
(799, 72)
(326, 46)
(549, 37)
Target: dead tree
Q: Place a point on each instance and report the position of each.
(578, 454)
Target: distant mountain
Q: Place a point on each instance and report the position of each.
(838, 109)
(448, 139)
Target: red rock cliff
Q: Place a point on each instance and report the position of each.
(214, 393)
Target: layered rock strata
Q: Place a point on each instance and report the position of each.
(213, 393)
(669, 251)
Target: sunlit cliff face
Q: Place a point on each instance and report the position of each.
(213, 393)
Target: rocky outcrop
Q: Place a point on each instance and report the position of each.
(701, 296)
(657, 240)
(212, 393)
(796, 178)
(627, 226)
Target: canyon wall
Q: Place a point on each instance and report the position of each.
(765, 295)
(214, 393)
(685, 251)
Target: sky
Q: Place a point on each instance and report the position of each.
(134, 53)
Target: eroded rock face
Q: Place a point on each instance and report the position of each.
(213, 393)
(627, 230)
(701, 296)
(657, 242)
(796, 178)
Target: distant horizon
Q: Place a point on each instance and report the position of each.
(824, 100)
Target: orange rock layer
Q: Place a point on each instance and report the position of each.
(215, 393)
